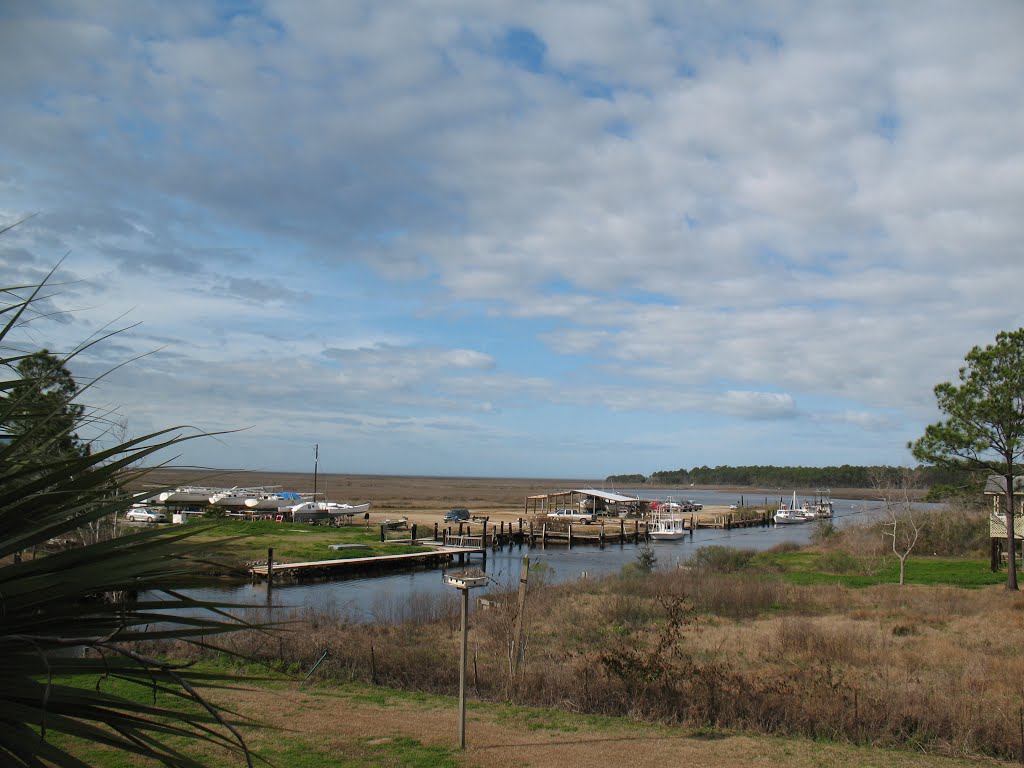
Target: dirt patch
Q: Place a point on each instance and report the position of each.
(335, 719)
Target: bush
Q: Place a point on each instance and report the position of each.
(721, 559)
(839, 561)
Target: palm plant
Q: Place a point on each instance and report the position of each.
(87, 612)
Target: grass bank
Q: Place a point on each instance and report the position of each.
(236, 543)
(841, 568)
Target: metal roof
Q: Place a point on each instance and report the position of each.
(605, 495)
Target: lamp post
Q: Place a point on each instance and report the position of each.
(464, 581)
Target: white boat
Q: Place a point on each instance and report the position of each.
(232, 497)
(823, 508)
(186, 494)
(787, 514)
(272, 502)
(327, 511)
(666, 526)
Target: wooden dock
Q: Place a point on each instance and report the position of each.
(437, 555)
(604, 531)
(476, 538)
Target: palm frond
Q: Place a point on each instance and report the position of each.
(84, 613)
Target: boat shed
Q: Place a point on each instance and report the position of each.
(598, 502)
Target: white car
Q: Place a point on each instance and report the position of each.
(572, 516)
(145, 516)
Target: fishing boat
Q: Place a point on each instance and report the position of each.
(823, 507)
(788, 514)
(666, 525)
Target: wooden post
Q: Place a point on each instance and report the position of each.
(531, 532)
(462, 669)
(543, 534)
(270, 567)
(636, 531)
(435, 531)
(570, 535)
(382, 530)
(993, 556)
(622, 530)
(524, 574)
(413, 537)
(483, 541)
(460, 529)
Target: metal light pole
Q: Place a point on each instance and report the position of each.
(464, 581)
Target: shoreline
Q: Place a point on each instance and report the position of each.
(424, 500)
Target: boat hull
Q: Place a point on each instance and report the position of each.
(667, 535)
(790, 519)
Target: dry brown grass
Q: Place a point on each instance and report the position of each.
(932, 668)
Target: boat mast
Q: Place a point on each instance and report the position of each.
(316, 466)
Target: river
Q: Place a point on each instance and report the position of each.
(402, 595)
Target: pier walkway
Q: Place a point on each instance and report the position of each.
(435, 556)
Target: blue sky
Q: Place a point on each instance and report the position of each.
(519, 239)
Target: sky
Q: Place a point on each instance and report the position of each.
(529, 239)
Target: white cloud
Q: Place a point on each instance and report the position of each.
(686, 210)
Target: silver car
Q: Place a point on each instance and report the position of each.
(145, 516)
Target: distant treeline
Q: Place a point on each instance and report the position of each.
(846, 476)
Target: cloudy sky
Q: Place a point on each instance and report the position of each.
(519, 239)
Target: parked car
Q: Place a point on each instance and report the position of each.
(145, 516)
(456, 514)
(572, 516)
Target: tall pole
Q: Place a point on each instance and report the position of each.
(316, 466)
(462, 669)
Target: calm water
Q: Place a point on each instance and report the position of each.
(396, 596)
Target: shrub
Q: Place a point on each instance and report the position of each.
(721, 559)
(839, 561)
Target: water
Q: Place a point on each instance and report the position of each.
(399, 596)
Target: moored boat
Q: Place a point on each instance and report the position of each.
(666, 525)
(788, 514)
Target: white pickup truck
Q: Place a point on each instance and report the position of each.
(573, 516)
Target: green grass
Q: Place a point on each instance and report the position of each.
(280, 747)
(805, 568)
(294, 543)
